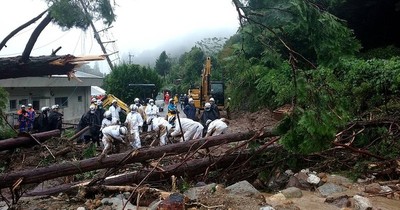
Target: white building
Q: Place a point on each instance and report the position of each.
(73, 96)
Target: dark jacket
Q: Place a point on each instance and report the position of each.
(190, 111)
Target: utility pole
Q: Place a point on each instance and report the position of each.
(130, 55)
(97, 37)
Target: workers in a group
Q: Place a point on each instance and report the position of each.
(214, 107)
(43, 119)
(90, 119)
(151, 113)
(133, 122)
(141, 109)
(113, 134)
(55, 118)
(107, 121)
(31, 116)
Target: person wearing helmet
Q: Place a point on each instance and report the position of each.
(43, 119)
(93, 101)
(55, 118)
(190, 110)
(22, 119)
(31, 117)
(166, 98)
(107, 120)
(214, 107)
(208, 114)
(134, 121)
(217, 127)
(100, 110)
(151, 113)
(115, 110)
(171, 107)
(162, 127)
(90, 119)
(190, 129)
(112, 135)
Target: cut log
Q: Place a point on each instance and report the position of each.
(69, 168)
(191, 168)
(27, 141)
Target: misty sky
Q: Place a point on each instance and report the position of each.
(141, 25)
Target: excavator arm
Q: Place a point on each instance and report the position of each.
(107, 101)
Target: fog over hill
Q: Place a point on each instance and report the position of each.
(176, 46)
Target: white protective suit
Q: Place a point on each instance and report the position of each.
(161, 126)
(151, 113)
(191, 129)
(216, 127)
(115, 111)
(134, 121)
(106, 122)
(111, 133)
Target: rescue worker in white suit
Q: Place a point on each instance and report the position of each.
(162, 127)
(133, 122)
(191, 129)
(217, 127)
(112, 134)
(151, 113)
(108, 120)
(115, 110)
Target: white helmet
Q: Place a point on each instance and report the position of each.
(151, 101)
(133, 107)
(207, 105)
(136, 100)
(92, 107)
(212, 99)
(99, 102)
(22, 106)
(191, 100)
(45, 108)
(94, 100)
(114, 101)
(107, 114)
(123, 130)
(29, 105)
(54, 107)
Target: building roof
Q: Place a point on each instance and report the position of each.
(82, 79)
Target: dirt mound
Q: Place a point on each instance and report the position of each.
(245, 121)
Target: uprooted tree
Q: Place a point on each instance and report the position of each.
(67, 14)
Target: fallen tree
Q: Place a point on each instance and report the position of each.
(74, 167)
(28, 140)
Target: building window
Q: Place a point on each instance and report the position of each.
(23, 102)
(13, 104)
(62, 101)
(79, 98)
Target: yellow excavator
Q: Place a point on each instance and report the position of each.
(107, 101)
(208, 89)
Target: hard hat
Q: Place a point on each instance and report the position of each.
(123, 130)
(54, 107)
(22, 106)
(29, 105)
(212, 99)
(114, 101)
(44, 108)
(136, 100)
(94, 100)
(151, 101)
(99, 102)
(171, 118)
(107, 114)
(207, 105)
(57, 106)
(171, 99)
(92, 107)
(133, 107)
(190, 100)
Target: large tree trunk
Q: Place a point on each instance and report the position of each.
(26, 141)
(190, 168)
(42, 66)
(70, 168)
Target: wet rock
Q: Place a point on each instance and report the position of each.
(340, 201)
(374, 188)
(302, 177)
(313, 179)
(117, 202)
(243, 188)
(329, 188)
(175, 201)
(292, 192)
(339, 180)
(81, 208)
(279, 197)
(362, 203)
(294, 182)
